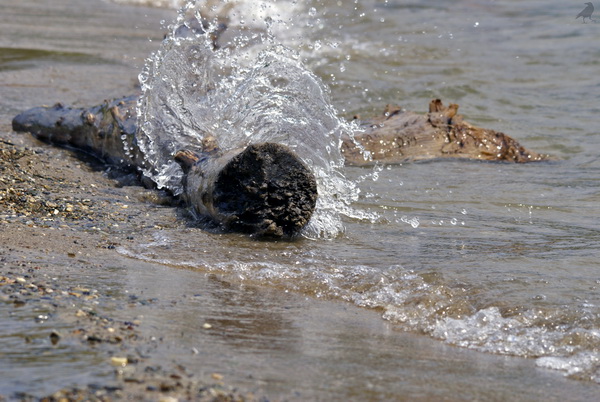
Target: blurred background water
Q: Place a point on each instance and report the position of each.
(497, 258)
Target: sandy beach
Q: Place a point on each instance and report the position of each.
(58, 229)
(62, 215)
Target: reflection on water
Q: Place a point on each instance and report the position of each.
(245, 319)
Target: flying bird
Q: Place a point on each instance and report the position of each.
(586, 12)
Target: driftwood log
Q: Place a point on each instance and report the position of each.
(266, 189)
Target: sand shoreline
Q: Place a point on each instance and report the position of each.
(50, 236)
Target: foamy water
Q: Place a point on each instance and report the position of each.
(492, 257)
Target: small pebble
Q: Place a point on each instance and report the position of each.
(167, 399)
(54, 337)
(118, 361)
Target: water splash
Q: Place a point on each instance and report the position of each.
(251, 91)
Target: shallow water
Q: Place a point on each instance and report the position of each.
(498, 258)
(492, 257)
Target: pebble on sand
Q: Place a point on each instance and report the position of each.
(118, 361)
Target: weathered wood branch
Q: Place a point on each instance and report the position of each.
(399, 136)
(106, 130)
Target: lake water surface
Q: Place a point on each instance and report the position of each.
(496, 258)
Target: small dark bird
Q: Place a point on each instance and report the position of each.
(586, 12)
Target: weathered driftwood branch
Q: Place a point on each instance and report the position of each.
(399, 136)
(105, 130)
(266, 189)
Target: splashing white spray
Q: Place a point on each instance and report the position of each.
(253, 92)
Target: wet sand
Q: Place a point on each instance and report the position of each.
(81, 320)
(60, 224)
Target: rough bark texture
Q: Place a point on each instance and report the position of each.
(399, 136)
(105, 130)
(266, 189)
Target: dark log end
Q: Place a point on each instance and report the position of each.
(266, 190)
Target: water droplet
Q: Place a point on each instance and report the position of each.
(312, 11)
(414, 222)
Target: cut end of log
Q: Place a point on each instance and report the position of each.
(266, 190)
